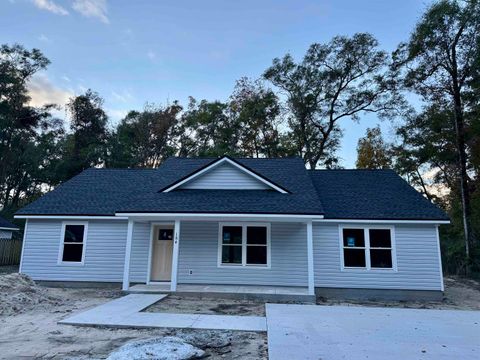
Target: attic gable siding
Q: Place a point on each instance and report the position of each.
(225, 177)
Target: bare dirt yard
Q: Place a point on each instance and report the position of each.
(209, 306)
(29, 329)
(460, 294)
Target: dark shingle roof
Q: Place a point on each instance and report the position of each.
(342, 194)
(7, 224)
(371, 194)
(104, 191)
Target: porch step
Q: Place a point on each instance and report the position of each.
(266, 293)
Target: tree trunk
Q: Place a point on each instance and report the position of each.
(462, 162)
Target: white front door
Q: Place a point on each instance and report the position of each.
(162, 253)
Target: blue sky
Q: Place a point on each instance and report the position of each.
(132, 52)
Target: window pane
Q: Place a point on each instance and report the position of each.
(380, 238)
(257, 235)
(257, 255)
(354, 257)
(381, 258)
(74, 233)
(232, 235)
(231, 254)
(165, 234)
(353, 237)
(72, 252)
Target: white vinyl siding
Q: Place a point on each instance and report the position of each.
(416, 256)
(104, 252)
(140, 251)
(225, 176)
(199, 249)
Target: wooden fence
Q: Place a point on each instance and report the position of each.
(10, 251)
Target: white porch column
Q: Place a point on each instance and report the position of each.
(128, 251)
(311, 280)
(176, 244)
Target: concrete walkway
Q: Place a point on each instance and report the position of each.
(350, 332)
(126, 312)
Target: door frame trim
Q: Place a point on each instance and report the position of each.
(150, 251)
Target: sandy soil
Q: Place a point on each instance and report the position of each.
(195, 305)
(31, 331)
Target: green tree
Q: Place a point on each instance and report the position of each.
(206, 129)
(86, 145)
(28, 136)
(341, 79)
(144, 139)
(257, 111)
(441, 62)
(372, 151)
(426, 144)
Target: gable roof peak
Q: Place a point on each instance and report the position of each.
(219, 161)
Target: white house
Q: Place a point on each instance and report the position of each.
(262, 222)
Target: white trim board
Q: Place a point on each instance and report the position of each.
(9, 229)
(220, 216)
(219, 162)
(439, 258)
(373, 221)
(25, 229)
(72, 217)
(128, 252)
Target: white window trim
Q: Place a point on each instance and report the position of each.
(244, 264)
(62, 241)
(366, 229)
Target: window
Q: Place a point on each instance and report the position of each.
(354, 248)
(380, 248)
(232, 245)
(165, 234)
(244, 245)
(367, 248)
(72, 249)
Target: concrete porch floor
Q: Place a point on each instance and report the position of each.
(280, 293)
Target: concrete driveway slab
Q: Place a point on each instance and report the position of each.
(351, 332)
(126, 312)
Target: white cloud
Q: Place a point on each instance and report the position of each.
(116, 114)
(42, 92)
(124, 96)
(44, 38)
(66, 78)
(51, 6)
(433, 188)
(92, 8)
(82, 89)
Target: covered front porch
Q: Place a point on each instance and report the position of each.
(226, 254)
